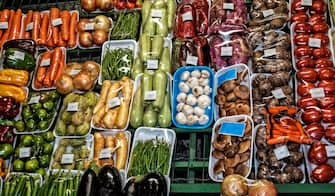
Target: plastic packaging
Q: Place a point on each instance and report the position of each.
(127, 26)
(233, 12)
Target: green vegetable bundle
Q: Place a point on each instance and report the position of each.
(126, 26)
(150, 156)
(21, 184)
(16, 58)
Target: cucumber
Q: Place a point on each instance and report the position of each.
(164, 63)
(136, 114)
(137, 68)
(150, 117)
(146, 82)
(159, 85)
(164, 117)
(157, 46)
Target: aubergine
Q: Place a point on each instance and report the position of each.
(87, 185)
(132, 187)
(109, 182)
(153, 184)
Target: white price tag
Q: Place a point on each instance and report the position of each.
(105, 153)
(114, 102)
(228, 6)
(29, 26)
(150, 96)
(57, 22)
(330, 150)
(17, 55)
(306, 2)
(3, 25)
(267, 13)
(187, 16)
(278, 93)
(191, 60)
(34, 100)
(156, 13)
(45, 62)
(152, 64)
(270, 52)
(89, 27)
(67, 159)
(227, 51)
(72, 107)
(74, 71)
(314, 42)
(24, 152)
(317, 93)
(281, 152)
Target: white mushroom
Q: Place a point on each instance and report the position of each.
(204, 74)
(181, 97)
(188, 110)
(180, 106)
(183, 87)
(185, 75)
(203, 81)
(191, 100)
(198, 111)
(207, 90)
(197, 91)
(181, 118)
(191, 120)
(196, 74)
(203, 119)
(192, 82)
(203, 101)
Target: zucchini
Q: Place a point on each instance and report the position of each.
(159, 85)
(150, 117)
(164, 117)
(136, 114)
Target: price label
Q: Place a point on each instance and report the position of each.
(105, 153)
(89, 27)
(306, 2)
(67, 159)
(56, 22)
(228, 6)
(314, 42)
(17, 55)
(72, 107)
(114, 102)
(317, 92)
(45, 62)
(267, 13)
(74, 71)
(270, 52)
(232, 128)
(3, 25)
(227, 51)
(150, 95)
(191, 60)
(156, 13)
(29, 27)
(34, 100)
(152, 64)
(330, 150)
(187, 16)
(229, 75)
(281, 152)
(278, 93)
(24, 152)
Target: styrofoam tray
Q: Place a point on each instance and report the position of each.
(115, 44)
(212, 160)
(331, 35)
(246, 81)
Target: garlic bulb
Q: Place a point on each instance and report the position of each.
(191, 100)
(181, 118)
(180, 106)
(181, 97)
(192, 82)
(196, 74)
(185, 75)
(183, 87)
(203, 119)
(203, 101)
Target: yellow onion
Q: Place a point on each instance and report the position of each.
(233, 185)
(99, 37)
(93, 68)
(64, 84)
(102, 22)
(83, 81)
(262, 188)
(85, 39)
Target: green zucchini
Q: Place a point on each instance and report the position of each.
(164, 117)
(150, 117)
(159, 85)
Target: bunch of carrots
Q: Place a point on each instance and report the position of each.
(12, 20)
(282, 126)
(52, 29)
(47, 74)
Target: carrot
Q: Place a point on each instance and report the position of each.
(37, 84)
(122, 150)
(61, 42)
(99, 144)
(41, 71)
(5, 36)
(16, 26)
(54, 14)
(36, 26)
(4, 17)
(60, 67)
(28, 19)
(44, 29)
(73, 29)
(66, 17)
(52, 71)
(109, 143)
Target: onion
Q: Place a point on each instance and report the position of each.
(93, 68)
(88, 5)
(262, 188)
(99, 37)
(64, 84)
(85, 39)
(104, 5)
(102, 22)
(233, 185)
(82, 24)
(72, 66)
(83, 81)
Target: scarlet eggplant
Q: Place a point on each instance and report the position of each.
(311, 115)
(320, 27)
(327, 85)
(317, 154)
(308, 75)
(327, 102)
(304, 88)
(297, 7)
(322, 52)
(315, 131)
(323, 62)
(318, 7)
(301, 39)
(305, 62)
(330, 133)
(302, 27)
(323, 173)
(302, 51)
(328, 115)
(299, 17)
(327, 73)
(316, 18)
(307, 101)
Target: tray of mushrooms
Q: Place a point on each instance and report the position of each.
(231, 152)
(232, 91)
(282, 163)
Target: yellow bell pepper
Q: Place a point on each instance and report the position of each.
(14, 77)
(18, 93)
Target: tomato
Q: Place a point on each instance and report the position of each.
(320, 27)
(328, 115)
(301, 39)
(311, 115)
(305, 62)
(327, 102)
(304, 88)
(323, 62)
(327, 85)
(323, 38)
(317, 18)
(327, 73)
(302, 51)
(299, 17)
(322, 52)
(302, 27)
(307, 101)
(318, 7)
(307, 74)
(296, 6)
